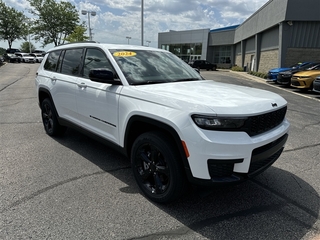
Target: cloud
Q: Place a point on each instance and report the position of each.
(115, 20)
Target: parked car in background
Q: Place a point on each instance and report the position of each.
(304, 80)
(26, 57)
(10, 56)
(41, 52)
(284, 78)
(316, 84)
(203, 64)
(37, 56)
(273, 73)
(13, 50)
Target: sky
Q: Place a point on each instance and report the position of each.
(115, 20)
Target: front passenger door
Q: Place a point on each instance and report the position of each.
(97, 103)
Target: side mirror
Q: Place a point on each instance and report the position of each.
(103, 75)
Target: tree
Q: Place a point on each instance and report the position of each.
(11, 24)
(78, 34)
(27, 47)
(55, 21)
(2, 51)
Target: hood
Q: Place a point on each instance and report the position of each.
(308, 73)
(279, 69)
(288, 72)
(208, 96)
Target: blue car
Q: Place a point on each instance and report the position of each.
(273, 73)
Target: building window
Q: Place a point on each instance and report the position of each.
(185, 51)
(165, 47)
(222, 54)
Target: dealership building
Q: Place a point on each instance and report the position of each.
(281, 33)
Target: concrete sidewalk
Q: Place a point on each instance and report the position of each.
(245, 74)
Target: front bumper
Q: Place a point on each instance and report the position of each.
(262, 158)
(303, 83)
(29, 61)
(316, 86)
(230, 157)
(284, 80)
(272, 77)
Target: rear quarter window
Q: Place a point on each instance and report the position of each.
(52, 61)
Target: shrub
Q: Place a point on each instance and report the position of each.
(237, 69)
(258, 74)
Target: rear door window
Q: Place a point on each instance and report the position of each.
(71, 61)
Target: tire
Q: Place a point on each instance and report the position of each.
(50, 120)
(157, 167)
(311, 86)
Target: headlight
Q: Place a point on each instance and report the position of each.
(218, 123)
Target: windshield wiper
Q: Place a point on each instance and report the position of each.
(150, 82)
(187, 79)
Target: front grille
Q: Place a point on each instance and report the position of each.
(295, 83)
(263, 123)
(316, 85)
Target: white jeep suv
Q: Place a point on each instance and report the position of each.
(175, 127)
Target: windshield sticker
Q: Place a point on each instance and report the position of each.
(124, 54)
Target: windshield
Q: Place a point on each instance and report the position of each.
(148, 67)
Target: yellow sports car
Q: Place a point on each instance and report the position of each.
(304, 79)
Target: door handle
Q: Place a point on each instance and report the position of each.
(82, 85)
(53, 79)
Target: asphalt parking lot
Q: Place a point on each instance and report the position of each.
(75, 188)
(307, 94)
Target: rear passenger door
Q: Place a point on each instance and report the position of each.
(63, 70)
(97, 103)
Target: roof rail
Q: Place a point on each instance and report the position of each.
(77, 42)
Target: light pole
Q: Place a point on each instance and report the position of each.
(28, 21)
(92, 13)
(128, 39)
(142, 23)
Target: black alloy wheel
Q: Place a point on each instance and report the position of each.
(49, 119)
(157, 167)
